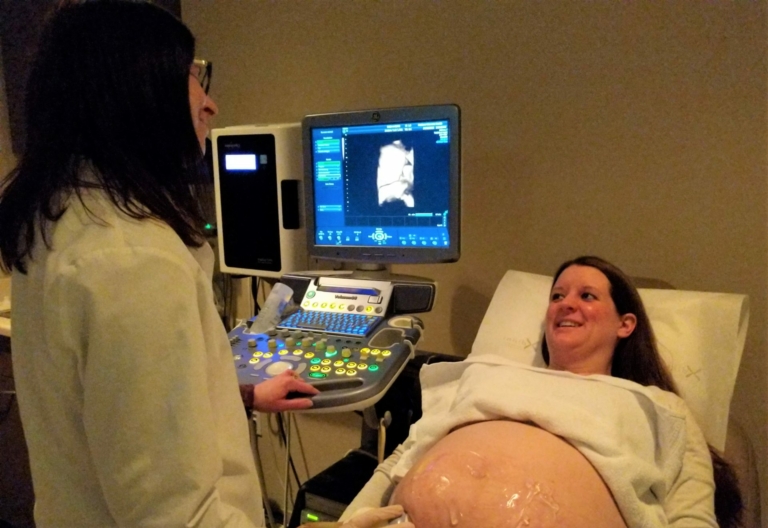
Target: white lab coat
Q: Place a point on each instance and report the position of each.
(125, 380)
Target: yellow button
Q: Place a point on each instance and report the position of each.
(333, 306)
(305, 304)
(268, 355)
(298, 352)
(314, 304)
(362, 366)
(309, 355)
(375, 352)
(386, 353)
(258, 354)
(324, 305)
(351, 372)
(253, 361)
(368, 309)
(326, 362)
(314, 368)
(340, 371)
(325, 369)
(341, 306)
(365, 350)
(338, 363)
(351, 364)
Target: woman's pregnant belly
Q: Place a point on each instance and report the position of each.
(505, 474)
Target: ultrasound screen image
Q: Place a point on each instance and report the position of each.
(389, 177)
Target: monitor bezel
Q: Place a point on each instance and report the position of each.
(386, 255)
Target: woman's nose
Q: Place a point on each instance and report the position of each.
(210, 106)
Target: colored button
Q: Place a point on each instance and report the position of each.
(298, 352)
(338, 363)
(316, 375)
(258, 354)
(325, 369)
(375, 352)
(351, 372)
(309, 355)
(311, 293)
(386, 353)
(341, 306)
(331, 353)
(324, 305)
(268, 355)
(283, 352)
(314, 368)
(365, 350)
(305, 304)
(314, 361)
(325, 362)
(333, 306)
(340, 371)
(373, 368)
(351, 364)
(368, 309)
(253, 361)
(346, 352)
(362, 366)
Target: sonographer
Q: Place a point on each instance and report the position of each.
(123, 369)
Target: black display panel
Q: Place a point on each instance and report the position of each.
(248, 188)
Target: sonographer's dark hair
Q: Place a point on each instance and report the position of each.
(637, 359)
(107, 106)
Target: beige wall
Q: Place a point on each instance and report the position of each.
(635, 131)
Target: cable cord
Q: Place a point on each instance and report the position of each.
(260, 470)
(287, 475)
(301, 445)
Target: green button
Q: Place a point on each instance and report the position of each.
(315, 361)
(310, 294)
(373, 368)
(316, 375)
(332, 353)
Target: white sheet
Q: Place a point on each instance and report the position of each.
(633, 437)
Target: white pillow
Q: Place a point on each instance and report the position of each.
(700, 336)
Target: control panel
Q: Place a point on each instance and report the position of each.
(352, 371)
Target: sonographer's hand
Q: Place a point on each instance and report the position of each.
(272, 395)
(376, 517)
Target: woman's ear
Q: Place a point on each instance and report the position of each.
(628, 324)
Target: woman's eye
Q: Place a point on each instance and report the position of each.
(588, 296)
(556, 296)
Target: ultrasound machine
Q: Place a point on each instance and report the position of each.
(380, 187)
(366, 189)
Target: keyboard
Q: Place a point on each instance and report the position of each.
(342, 323)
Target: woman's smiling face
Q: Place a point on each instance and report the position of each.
(583, 325)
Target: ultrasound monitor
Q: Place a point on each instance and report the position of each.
(383, 186)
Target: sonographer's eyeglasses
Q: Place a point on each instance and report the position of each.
(202, 71)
